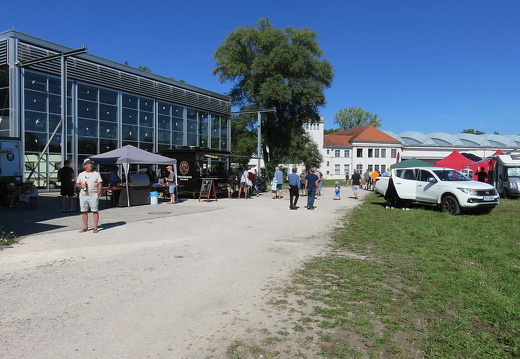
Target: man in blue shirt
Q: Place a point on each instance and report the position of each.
(311, 183)
(294, 189)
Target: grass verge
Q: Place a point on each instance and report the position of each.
(6, 239)
(418, 283)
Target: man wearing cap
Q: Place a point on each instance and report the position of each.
(89, 183)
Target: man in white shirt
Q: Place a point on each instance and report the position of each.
(89, 182)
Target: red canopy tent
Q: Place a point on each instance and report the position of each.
(454, 160)
(458, 162)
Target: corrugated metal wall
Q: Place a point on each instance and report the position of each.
(89, 72)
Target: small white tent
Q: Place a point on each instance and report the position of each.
(128, 155)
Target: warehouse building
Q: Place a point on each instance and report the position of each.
(108, 105)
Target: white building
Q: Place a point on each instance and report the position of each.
(370, 148)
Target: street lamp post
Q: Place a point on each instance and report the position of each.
(259, 134)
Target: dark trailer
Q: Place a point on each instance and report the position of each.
(195, 164)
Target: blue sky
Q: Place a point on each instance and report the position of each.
(421, 65)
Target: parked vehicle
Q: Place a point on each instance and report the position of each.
(505, 176)
(445, 188)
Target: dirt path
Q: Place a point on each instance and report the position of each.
(177, 287)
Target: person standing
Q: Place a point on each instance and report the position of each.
(337, 191)
(294, 189)
(89, 182)
(243, 184)
(347, 180)
(373, 177)
(66, 177)
(279, 181)
(311, 183)
(302, 183)
(481, 175)
(320, 182)
(366, 177)
(356, 183)
(113, 178)
(170, 180)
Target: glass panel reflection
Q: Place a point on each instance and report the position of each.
(87, 146)
(35, 81)
(107, 130)
(87, 109)
(35, 141)
(130, 116)
(87, 92)
(108, 113)
(146, 134)
(36, 101)
(35, 121)
(129, 132)
(87, 128)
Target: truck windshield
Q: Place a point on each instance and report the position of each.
(450, 175)
(513, 172)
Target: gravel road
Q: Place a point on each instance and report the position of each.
(184, 286)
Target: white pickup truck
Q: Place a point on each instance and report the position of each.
(445, 188)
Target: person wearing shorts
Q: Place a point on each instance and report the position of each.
(171, 183)
(89, 183)
(356, 184)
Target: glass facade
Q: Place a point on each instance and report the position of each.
(104, 120)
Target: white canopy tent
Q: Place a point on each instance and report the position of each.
(128, 155)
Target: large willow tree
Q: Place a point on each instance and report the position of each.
(280, 69)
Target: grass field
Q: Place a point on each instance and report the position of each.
(418, 283)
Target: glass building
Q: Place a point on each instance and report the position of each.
(109, 105)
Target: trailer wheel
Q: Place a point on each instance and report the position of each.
(450, 205)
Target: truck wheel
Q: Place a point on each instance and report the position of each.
(450, 205)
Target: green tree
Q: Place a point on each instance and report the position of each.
(473, 131)
(243, 139)
(275, 68)
(353, 117)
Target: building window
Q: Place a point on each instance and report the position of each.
(393, 153)
(347, 153)
(346, 169)
(370, 167)
(376, 153)
(359, 168)
(383, 168)
(336, 153)
(337, 168)
(383, 153)
(328, 163)
(370, 153)
(359, 152)
(376, 167)
(328, 151)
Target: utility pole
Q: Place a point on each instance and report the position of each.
(259, 153)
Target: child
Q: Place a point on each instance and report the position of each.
(274, 188)
(337, 191)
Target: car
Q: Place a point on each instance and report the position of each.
(445, 188)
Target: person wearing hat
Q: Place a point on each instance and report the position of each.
(170, 180)
(89, 182)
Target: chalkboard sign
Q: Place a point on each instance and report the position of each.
(207, 190)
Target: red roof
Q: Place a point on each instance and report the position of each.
(360, 134)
